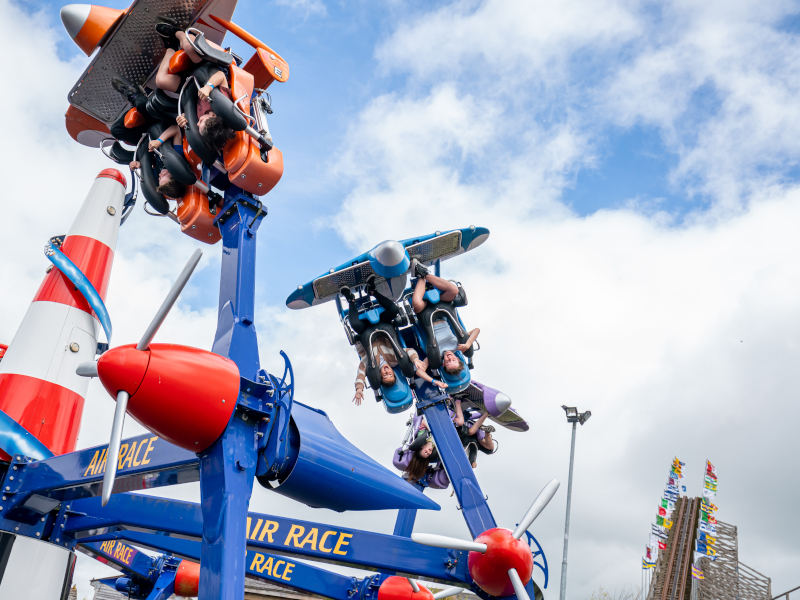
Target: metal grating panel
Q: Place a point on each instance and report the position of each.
(351, 276)
(132, 55)
(436, 248)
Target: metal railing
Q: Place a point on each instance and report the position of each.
(786, 594)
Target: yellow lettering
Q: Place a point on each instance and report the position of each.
(341, 542)
(93, 464)
(258, 560)
(149, 447)
(287, 571)
(128, 556)
(311, 538)
(128, 457)
(136, 462)
(105, 546)
(118, 549)
(101, 468)
(324, 537)
(267, 567)
(255, 531)
(247, 535)
(276, 570)
(270, 527)
(294, 534)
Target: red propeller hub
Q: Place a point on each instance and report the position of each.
(490, 570)
(187, 579)
(399, 588)
(184, 395)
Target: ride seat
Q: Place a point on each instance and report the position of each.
(373, 315)
(242, 84)
(133, 118)
(209, 52)
(247, 170)
(195, 217)
(179, 62)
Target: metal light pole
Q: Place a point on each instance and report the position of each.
(574, 417)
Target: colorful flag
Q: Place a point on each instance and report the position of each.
(683, 464)
(683, 488)
(647, 565)
(703, 517)
(708, 528)
(701, 547)
(666, 503)
(662, 512)
(712, 520)
(662, 546)
(660, 521)
(711, 468)
(697, 573)
(710, 541)
(667, 524)
(670, 481)
(709, 493)
(648, 555)
(658, 533)
(711, 551)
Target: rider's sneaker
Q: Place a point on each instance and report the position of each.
(418, 268)
(167, 32)
(348, 295)
(488, 428)
(128, 91)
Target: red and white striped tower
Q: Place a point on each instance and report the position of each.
(38, 385)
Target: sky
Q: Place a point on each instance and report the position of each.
(637, 165)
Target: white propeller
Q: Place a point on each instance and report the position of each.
(440, 541)
(451, 591)
(123, 397)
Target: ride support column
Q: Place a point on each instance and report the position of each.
(227, 468)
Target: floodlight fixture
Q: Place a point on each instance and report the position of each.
(583, 417)
(572, 413)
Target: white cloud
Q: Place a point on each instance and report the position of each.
(309, 7)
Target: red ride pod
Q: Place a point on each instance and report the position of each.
(398, 588)
(184, 395)
(490, 570)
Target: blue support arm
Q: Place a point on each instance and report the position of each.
(278, 535)
(470, 496)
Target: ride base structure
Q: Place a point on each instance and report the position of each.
(220, 418)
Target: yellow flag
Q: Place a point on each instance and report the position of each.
(710, 540)
(667, 524)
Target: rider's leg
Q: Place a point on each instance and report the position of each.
(448, 289)
(164, 79)
(417, 300)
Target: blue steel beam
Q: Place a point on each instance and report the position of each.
(468, 491)
(278, 535)
(115, 553)
(146, 461)
(263, 565)
(228, 467)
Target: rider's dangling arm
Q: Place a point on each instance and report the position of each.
(218, 79)
(458, 420)
(361, 377)
(477, 424)
(422, 369)
(473, 335)
(166, 135)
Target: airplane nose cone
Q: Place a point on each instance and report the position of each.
(389, 259)
(390, 253)
(502, 403)
(122, 368)
(73, 16)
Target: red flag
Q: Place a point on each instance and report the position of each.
(671, 481)
(662, 512)
(662, 545)
(648, 553)
(712, 520)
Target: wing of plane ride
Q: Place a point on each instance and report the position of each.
(428, 249)
(130, 50)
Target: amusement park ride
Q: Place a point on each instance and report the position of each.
(219, 417)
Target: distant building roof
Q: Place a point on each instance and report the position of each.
(254, 589)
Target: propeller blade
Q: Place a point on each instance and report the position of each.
(440, 541)
(414, 585)
(519, 589)
(112, 456)
(537, 507)
(451, 591)
(87, 369)
(172, 296)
